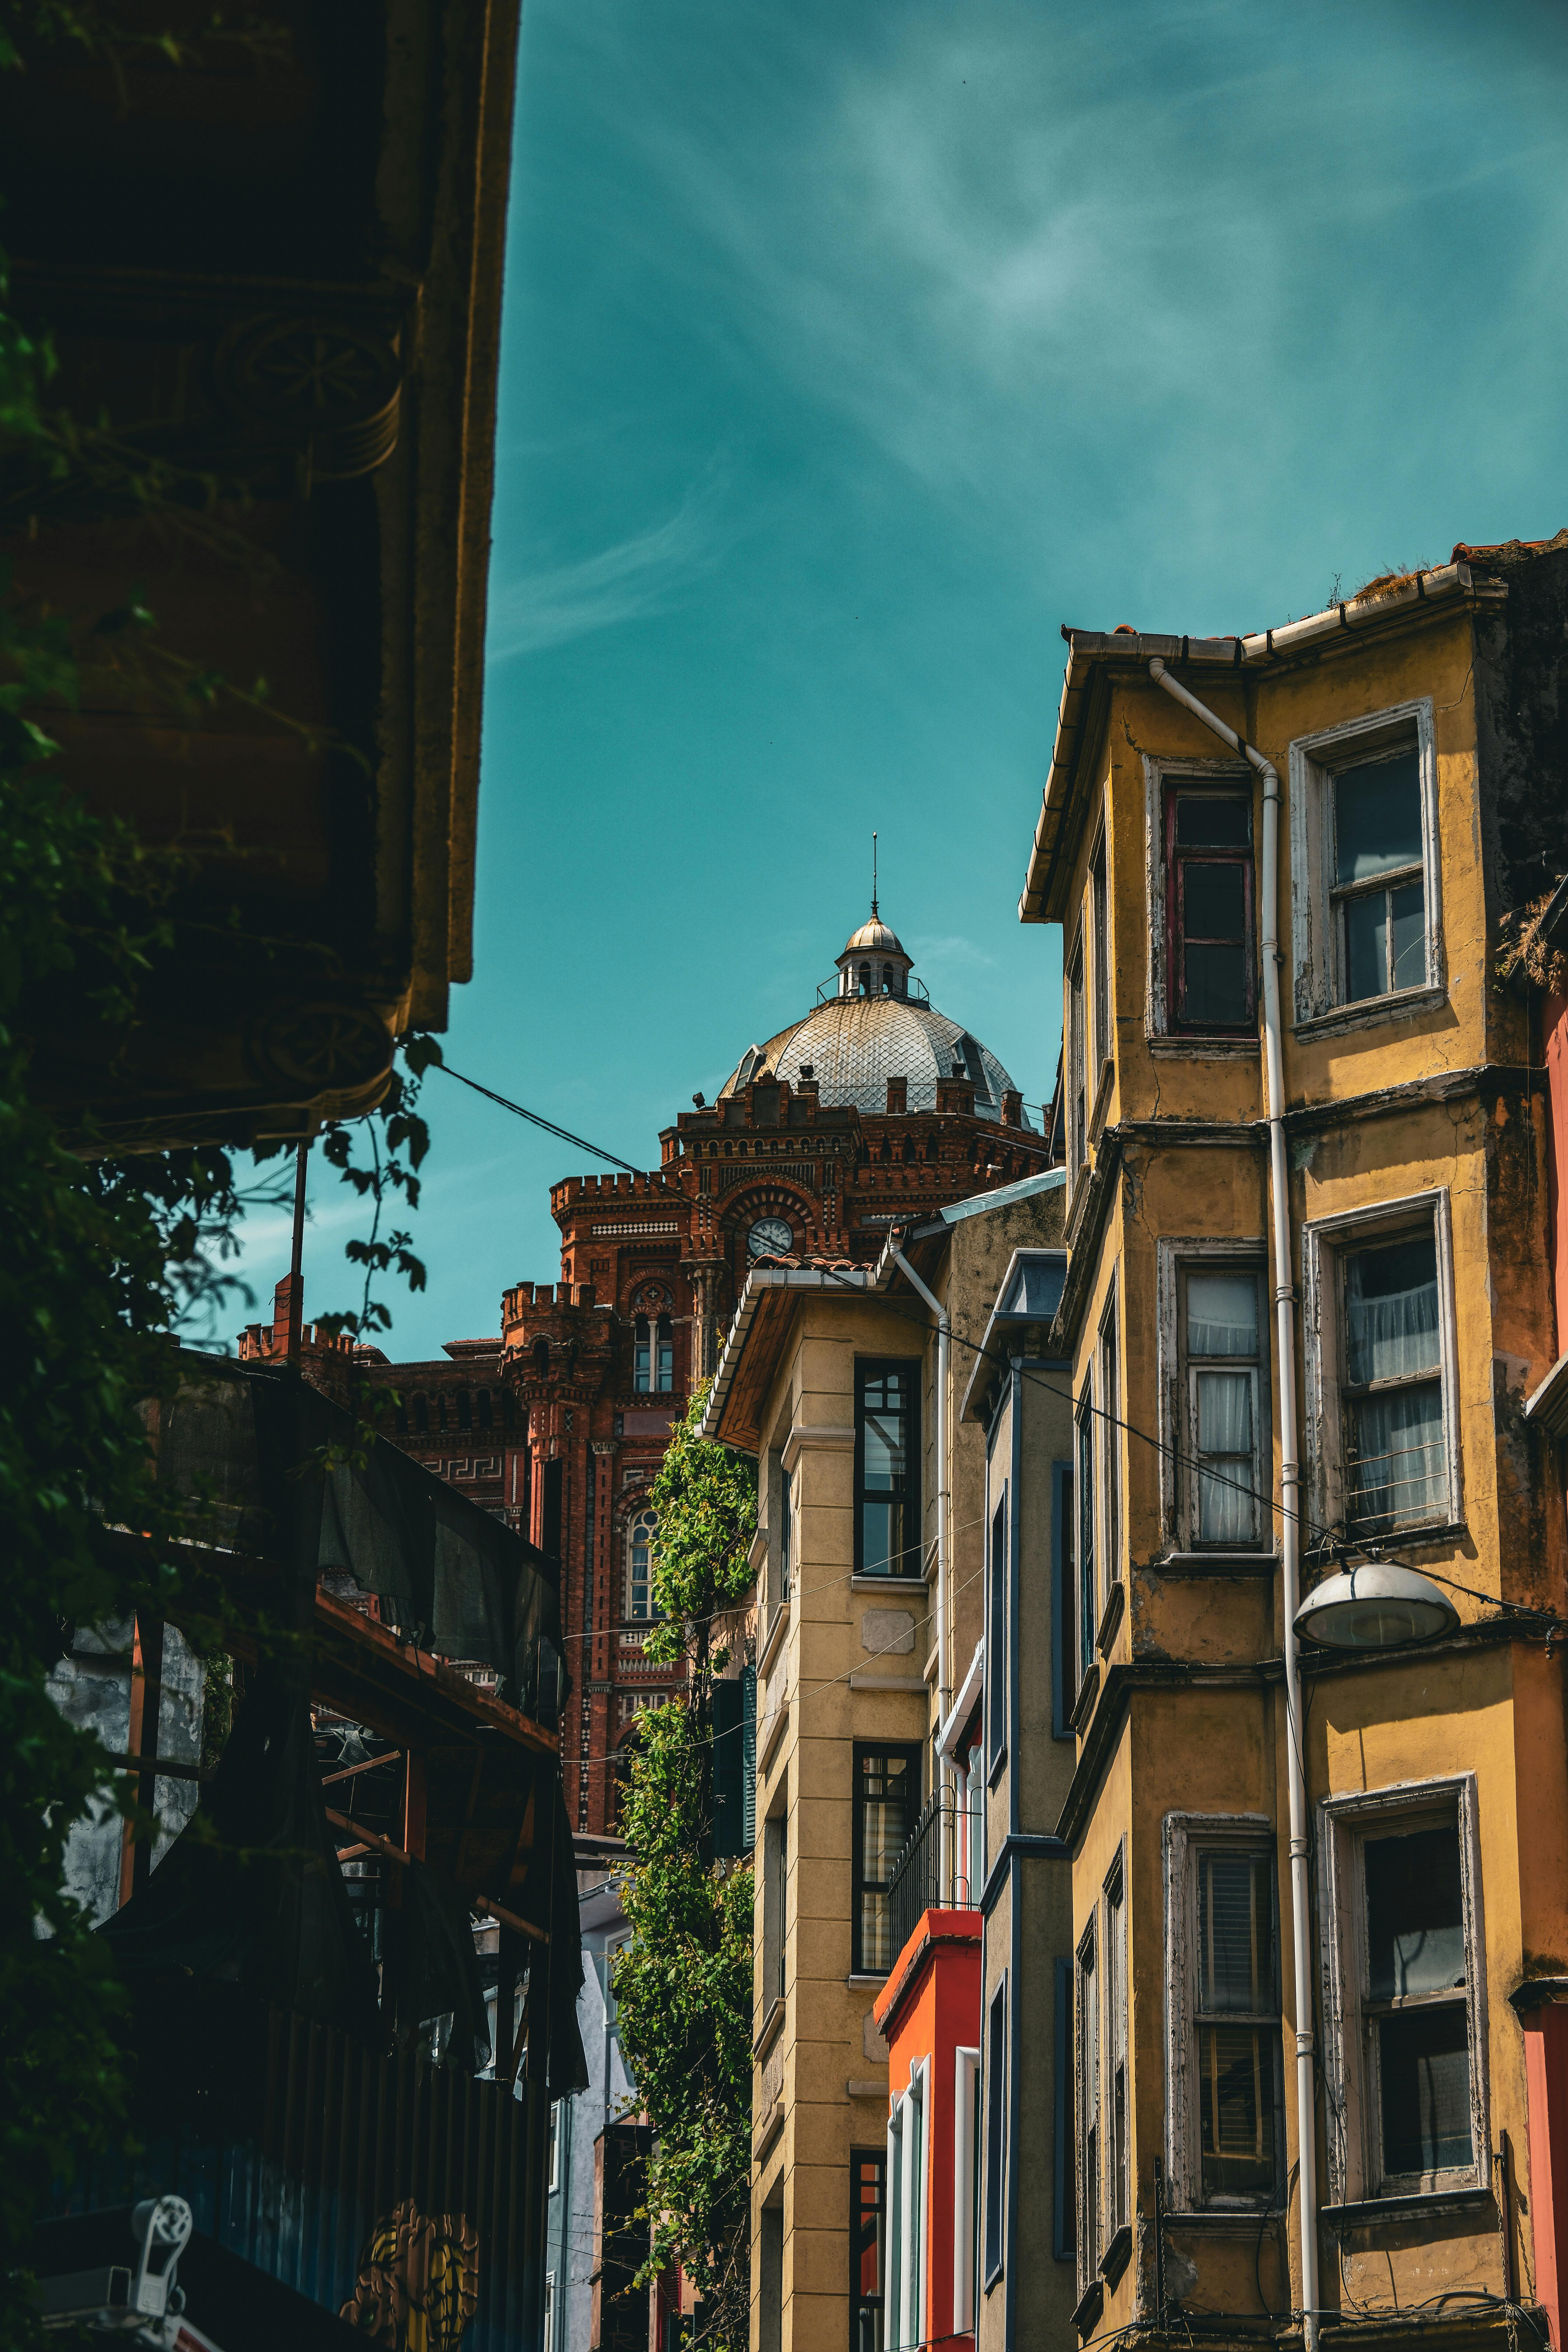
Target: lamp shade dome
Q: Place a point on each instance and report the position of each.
(1375, 1607)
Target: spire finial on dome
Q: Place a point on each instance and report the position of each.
(873, 877)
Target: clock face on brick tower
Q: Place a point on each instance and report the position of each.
(768, 1237)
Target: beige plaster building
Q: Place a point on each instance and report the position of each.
(870, 1558)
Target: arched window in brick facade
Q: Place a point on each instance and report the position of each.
(653, 1353)
(640, 1604)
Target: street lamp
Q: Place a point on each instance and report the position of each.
(1375, 1606)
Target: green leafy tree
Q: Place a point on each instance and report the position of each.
(683, 1983)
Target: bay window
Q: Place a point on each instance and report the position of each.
(1225, 2085)
(1383, 1414)
(1407, 2018)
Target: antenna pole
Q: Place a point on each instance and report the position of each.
(873, 877)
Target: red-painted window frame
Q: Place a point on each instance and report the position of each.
(1176, 861)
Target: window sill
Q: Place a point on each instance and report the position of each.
(772, 2026)
(1216, 1563)
(1104, 1086)
(860, 1977)
(1083, 1705)
(1090, 2304)
(1117, 2256)
(863, 1582)
(1169, 1047)
(1409, 2206)
(775, 1635)
(1422, 1537)
(1115, 1609)
(1224, 2221)
(1371, 1010)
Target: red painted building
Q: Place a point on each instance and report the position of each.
(868, 1109)
(928, 2012)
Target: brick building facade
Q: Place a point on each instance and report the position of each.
(871, 1110)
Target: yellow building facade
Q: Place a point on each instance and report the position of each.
(1430, 1877)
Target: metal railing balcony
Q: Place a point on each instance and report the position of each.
(918, 1883)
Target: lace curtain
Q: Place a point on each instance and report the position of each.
(1226, 1506)
(1392, 1332)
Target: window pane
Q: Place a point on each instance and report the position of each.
(1396, 1466)
(1366, 946)
(1391, 1311)
(1214, 986)
(888, 1795)
(1214, 904)
(1235, 1964)
(1409, 936)
(1424, 2065)
(889, 1544)
(1227, 1503)
(1416, 1932)
(1235, 2099)
(1213, 824)
(1377, 818)
(884, 1433)
(1222, 1313)
(867, 2249)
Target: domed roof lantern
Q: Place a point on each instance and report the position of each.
(873, 962)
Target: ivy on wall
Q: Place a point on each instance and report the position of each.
(683, 1983)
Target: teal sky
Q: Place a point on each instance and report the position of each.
(850, 347)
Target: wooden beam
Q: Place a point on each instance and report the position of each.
(373, 1842)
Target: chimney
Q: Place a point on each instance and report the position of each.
(1012, 1108)
(283, 1301)
(897, 1096)
(955, 1096)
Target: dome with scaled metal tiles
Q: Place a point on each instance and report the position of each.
(875, 1024)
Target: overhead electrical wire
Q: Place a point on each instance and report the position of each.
(1335, 1537)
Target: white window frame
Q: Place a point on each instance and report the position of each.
(908, 2165)
(659, 1344)
(1111, 1500)
(1354, 2164)
(965, 2186)
(1326, 1242)
(548, 2311)
(1079, 1104)
(1158, 989)
(1099, 980)
(1116, 2041)
(1252, 1833)
(650, 1615)
(994, 2159)
(1178, 1478)
(554, 2182)
(1315, 761)
(1087, 2073)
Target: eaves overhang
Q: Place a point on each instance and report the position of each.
(1093, 653)
(1020, 1324)
(733, 1412)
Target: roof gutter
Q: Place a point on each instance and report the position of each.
(1088, 649)
(763, 1278)
(1289, 1483)
(944, 1680)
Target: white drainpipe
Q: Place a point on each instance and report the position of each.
(1290, 1488)
(943, 1679)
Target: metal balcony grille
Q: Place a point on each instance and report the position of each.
(916, 1883)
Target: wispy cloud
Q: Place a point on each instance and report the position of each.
(644, 573)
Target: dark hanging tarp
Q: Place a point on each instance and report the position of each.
(448, 1575)
(432, 1969)
(251, 1891)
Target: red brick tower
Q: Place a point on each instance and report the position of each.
(869, 1110)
